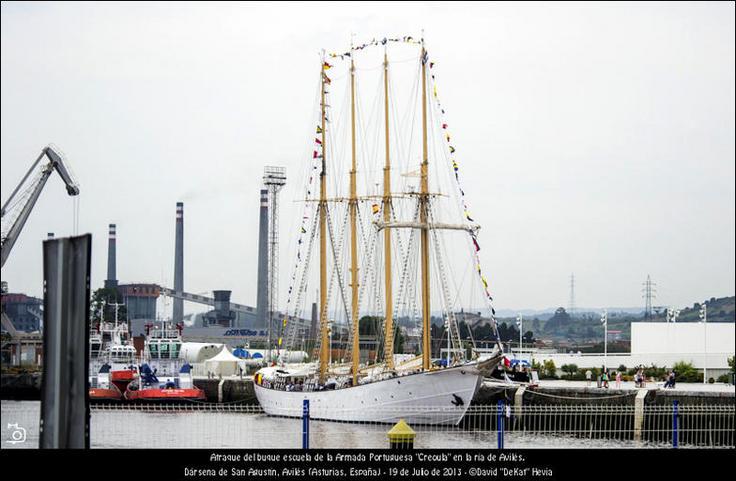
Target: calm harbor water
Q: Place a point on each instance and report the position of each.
(138, 428)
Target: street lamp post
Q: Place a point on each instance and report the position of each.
(604, 321)
(704, 317)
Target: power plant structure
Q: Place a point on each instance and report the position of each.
(178, 313)
(221, 315)
(112, 281)
(227, 320)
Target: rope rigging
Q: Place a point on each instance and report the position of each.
(370, 297)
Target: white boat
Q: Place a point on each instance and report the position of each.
(421, 391)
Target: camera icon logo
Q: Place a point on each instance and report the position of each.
(18, 435)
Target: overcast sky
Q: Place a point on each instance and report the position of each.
(597, 139)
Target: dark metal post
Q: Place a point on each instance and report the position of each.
(305, 424)
(65, 381)
(499, 423)
(675, 409)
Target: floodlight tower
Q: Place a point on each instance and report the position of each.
(274, 179)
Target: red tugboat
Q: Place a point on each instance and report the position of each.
(163, 376)
(124, 367)
(166, 389)
(110, 344)
(104, 390)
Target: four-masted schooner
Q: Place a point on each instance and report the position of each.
(419, 391)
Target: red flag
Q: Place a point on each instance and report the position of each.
(318, 141)
(314, 154)
(444, 126)
(506, 362)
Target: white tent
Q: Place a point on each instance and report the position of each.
(223, 364)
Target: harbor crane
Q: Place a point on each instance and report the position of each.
(15, 213)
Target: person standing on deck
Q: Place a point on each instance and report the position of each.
(588, 376)
(618, 379)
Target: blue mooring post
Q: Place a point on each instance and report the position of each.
(675, 406)
(499, 423)
(305, 424)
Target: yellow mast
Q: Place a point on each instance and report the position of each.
(388, 348)
(423, 208)
(324, 347)
(353, 236)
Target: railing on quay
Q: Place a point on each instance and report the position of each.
(489, 426)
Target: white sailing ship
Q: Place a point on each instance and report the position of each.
(422, 390)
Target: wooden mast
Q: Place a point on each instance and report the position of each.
(354, 236)
(324, 344)
(423, 220)
(388, 347)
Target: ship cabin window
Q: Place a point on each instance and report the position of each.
(125, 354)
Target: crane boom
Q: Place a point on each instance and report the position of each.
(25, 207)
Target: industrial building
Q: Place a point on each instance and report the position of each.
(25, 312)
(140, 300)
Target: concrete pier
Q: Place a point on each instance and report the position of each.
(26, 386)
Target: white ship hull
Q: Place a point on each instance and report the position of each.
(432, 397)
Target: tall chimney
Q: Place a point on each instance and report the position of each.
(112, 281)
(179, 262)
(262, 296)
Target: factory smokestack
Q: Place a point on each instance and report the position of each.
(178, 313)
(112, 281)
(262, 296)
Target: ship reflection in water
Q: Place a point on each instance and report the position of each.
(135, 428)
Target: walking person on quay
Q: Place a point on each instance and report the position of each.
(640, 380)
(670, 382)
(605, 378)
(618, 379)
(588, 376)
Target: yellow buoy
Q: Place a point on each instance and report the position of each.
(401, 436)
